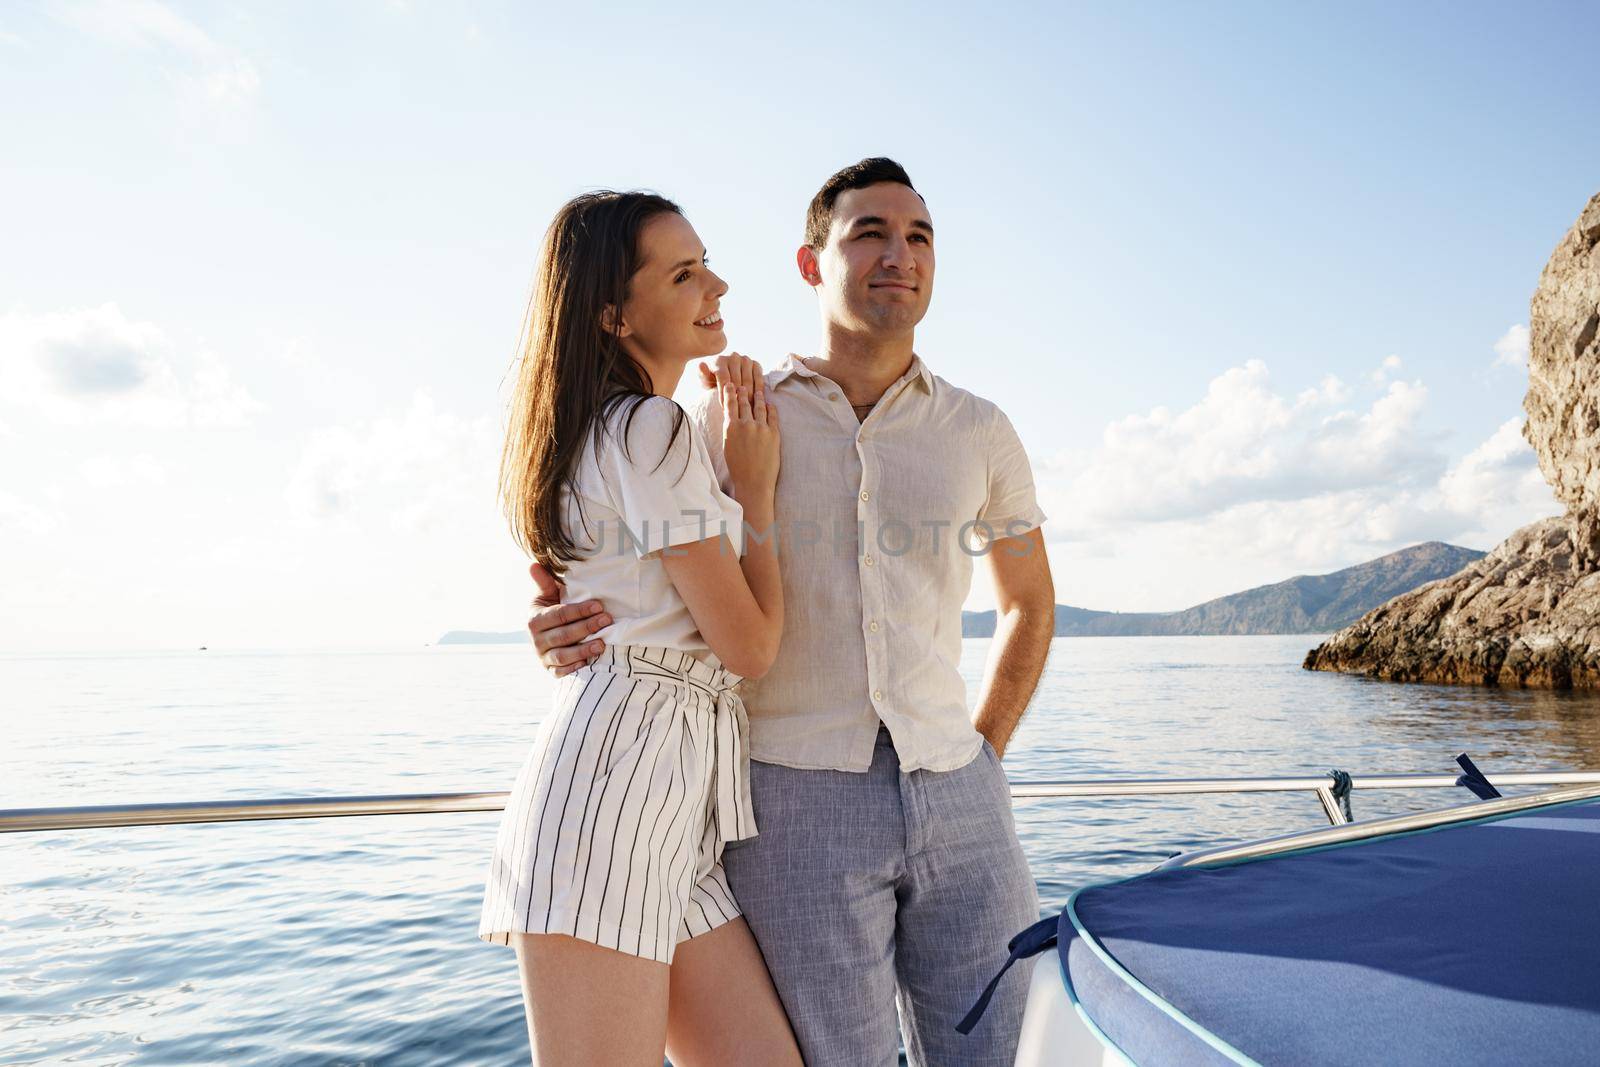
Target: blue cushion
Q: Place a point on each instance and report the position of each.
(1477, 943)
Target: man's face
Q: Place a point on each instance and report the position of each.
(875, 275)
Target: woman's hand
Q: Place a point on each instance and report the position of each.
(749, 429)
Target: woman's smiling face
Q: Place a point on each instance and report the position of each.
(672, 313)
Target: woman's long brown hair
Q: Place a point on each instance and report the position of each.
(572, 370)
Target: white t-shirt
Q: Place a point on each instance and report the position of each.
(634, 504)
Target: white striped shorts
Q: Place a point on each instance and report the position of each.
(614, 830)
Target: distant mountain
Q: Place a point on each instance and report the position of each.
(1308, 604)
(1320, 603)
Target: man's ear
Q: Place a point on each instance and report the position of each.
(806, 260)
(611, 323)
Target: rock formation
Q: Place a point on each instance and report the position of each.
(1528, 613)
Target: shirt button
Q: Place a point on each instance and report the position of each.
(833, 396)
(877, 694)
(873, 626)
(868, 561)
(865, 494)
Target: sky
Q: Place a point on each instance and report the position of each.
(1251, 280)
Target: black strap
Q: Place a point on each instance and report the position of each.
(1475, 780)
(1032, 941)
(1341, 792)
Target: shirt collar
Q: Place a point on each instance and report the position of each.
(793, 366)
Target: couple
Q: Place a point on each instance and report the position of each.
(759, 873)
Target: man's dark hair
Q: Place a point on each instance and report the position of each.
(819, 216)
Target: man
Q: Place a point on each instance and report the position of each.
(886, 867)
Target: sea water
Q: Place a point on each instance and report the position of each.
(353, 941)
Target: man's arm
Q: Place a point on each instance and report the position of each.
(559, 630)
(1025, 622)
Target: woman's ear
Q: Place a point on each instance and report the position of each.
(611, 323)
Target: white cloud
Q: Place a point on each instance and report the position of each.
(391, 534)
(17, 515)
(392, 527)
(1512, 348)
(1502, 471)
(115, 471)
(97, 365)
(415, 471)
(1390, 366)
(1241, 442)
(1328, 391)
(1247, 487)
(203, 70)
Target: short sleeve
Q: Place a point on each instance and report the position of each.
(706, 413)
(1011, 508)
(663, 488)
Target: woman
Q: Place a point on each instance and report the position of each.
(607, 874)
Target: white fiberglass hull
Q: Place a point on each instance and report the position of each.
(1053, 1033)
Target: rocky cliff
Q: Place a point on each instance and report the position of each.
(1528, 613)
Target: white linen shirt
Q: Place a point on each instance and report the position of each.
(867, 518)
(633, 504)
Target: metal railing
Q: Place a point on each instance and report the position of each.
(1422, 820)
(31, 820)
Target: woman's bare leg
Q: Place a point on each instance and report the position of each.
(589, 1006)
(723, 1009)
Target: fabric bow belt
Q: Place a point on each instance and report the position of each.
(733, 816)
